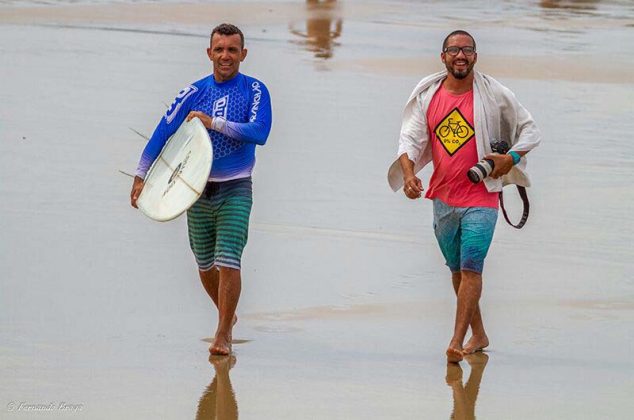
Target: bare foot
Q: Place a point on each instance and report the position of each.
(476, 343)
(221, 345)
(454, 355)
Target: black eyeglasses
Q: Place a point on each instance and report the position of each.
(453, 51)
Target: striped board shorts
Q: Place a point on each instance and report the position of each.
(218, 223)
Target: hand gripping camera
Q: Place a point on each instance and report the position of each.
(482, 169)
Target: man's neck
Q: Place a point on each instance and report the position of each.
(222, 79)
(458, 86)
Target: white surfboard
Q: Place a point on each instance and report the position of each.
(179, 174)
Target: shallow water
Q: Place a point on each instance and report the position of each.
(346, 306)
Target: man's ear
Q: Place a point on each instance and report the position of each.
(209, 52)
(243, 54)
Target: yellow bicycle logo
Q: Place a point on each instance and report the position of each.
(454, 131)
(458, 130)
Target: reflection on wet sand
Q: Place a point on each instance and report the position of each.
(219, 401)
(464, 396)
(322, 27)
(569, 4)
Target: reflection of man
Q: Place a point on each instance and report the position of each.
(236, 110)
(219, 401)
(465, 396)
(451, 118)
(319, 35)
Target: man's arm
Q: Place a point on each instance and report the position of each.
(526, 136)
(502, 164)
(412, 141)
(165, 128)
(413, 137)
(412, 185)
(168, 125)
(256, 130)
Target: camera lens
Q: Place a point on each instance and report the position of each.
(480, 170)
(473, 176)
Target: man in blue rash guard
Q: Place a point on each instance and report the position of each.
(236, 109)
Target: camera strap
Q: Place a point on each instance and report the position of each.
(524, 196)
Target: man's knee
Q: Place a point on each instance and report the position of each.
(209, 274)
(472, 262)
(470, 276)
(229, 272)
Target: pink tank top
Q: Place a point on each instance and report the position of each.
(454, 152)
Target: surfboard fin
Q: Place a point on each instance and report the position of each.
(139, 133)
(126, 173)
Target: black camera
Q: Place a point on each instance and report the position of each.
(482, 169)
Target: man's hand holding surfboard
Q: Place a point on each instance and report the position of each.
(137, 186)
(204, 118)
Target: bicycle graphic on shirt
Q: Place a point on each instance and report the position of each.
(458, 130)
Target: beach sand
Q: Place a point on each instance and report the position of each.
(346, 306)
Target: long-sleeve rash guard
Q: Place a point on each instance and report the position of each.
(241, 112)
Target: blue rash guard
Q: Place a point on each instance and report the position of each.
(241, 112)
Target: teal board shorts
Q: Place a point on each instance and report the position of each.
(464, 234)
(218, 223)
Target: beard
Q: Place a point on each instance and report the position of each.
(460, 74)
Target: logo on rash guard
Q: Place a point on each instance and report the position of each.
(256, 101)
(178, 102)
(220, 107)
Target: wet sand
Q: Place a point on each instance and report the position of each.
(346, 306)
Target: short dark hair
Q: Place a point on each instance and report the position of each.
(228, 29)
(458, 32)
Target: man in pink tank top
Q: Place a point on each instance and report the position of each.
(442, 127)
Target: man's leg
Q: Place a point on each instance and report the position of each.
(448, 234)
(479, 339)
(232, 218)
(476, 232)
(469, 293)
(210, 280)
(229, 287)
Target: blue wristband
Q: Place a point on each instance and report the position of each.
(516, 157)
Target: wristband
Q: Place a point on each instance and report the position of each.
(516, 157)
